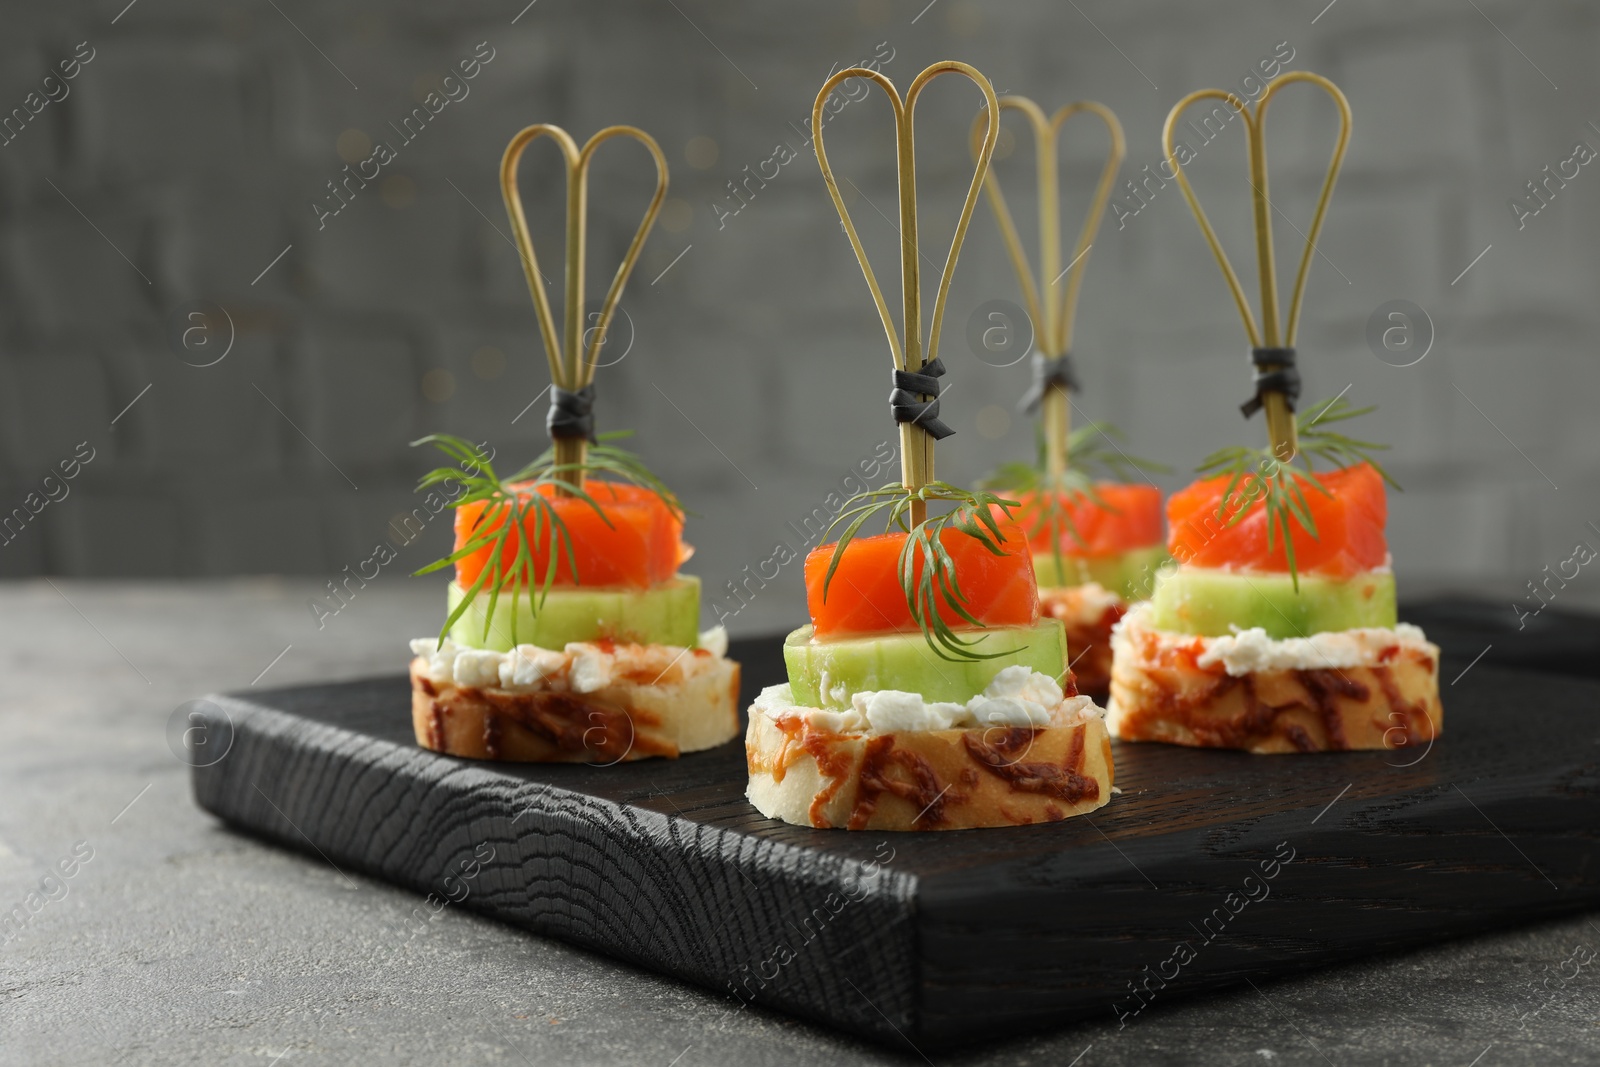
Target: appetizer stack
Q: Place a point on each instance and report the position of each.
(571, 636)
(927, 693)
(1277, 630)
(1096, 544)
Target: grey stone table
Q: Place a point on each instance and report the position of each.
(176, 941)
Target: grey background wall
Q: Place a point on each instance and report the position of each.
(184, 163)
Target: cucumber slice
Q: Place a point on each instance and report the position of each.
(1131, 575)
(668, 614)
(905, 662)
(1198, 600)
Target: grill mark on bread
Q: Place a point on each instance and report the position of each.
(1064, 781)
(436, 727)
(1258, 718)
(577, 724)
(1258, 721)
(791, 726)
(834, 762)
(922, 791)
(1409, 710)
(1298, 737)
(491, 736)
(1168, 707)
(1324, 686)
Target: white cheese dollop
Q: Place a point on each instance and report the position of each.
(1016, 696)
(530, 665)
(774, 699)
(1007, 711)
(777, 701)
(592, 669)
(441, 657)
(715, 641)
(478, 667)
(1248, 651)
(887, 710)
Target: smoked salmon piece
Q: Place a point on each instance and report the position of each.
(1130, 518)
(1349, 521)
(636, 545)
(865, 595)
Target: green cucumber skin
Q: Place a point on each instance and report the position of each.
(668, 614)
(906, 662)
(1209, 603)
(1131, 575)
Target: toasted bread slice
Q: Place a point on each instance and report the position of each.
(804, 773)
(1356, 689)
(691, 705)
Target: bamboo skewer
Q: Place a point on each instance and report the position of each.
(1054, 318)
(916, 445)
(1279, 410)
(572, 364)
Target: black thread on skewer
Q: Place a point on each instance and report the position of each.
(1047, 372)
(906, 403)
(1282, 377)
(571, 414)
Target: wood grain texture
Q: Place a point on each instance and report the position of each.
(948, 937)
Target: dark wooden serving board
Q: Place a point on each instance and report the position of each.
(940, 938)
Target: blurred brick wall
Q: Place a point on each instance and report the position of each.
(188, 152)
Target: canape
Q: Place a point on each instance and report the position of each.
(1236, 651)
(1276, 631)
(1096, 544)
(881, 728)
(570, 636)
(927, 693)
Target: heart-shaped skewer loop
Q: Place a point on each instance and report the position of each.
(909, 354)
(572, 362)
(1053, 307)
(1277, 381)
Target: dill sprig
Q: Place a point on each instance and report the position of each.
(1280, 486)
(937, 585)
(1094, 452)
(517, 512)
